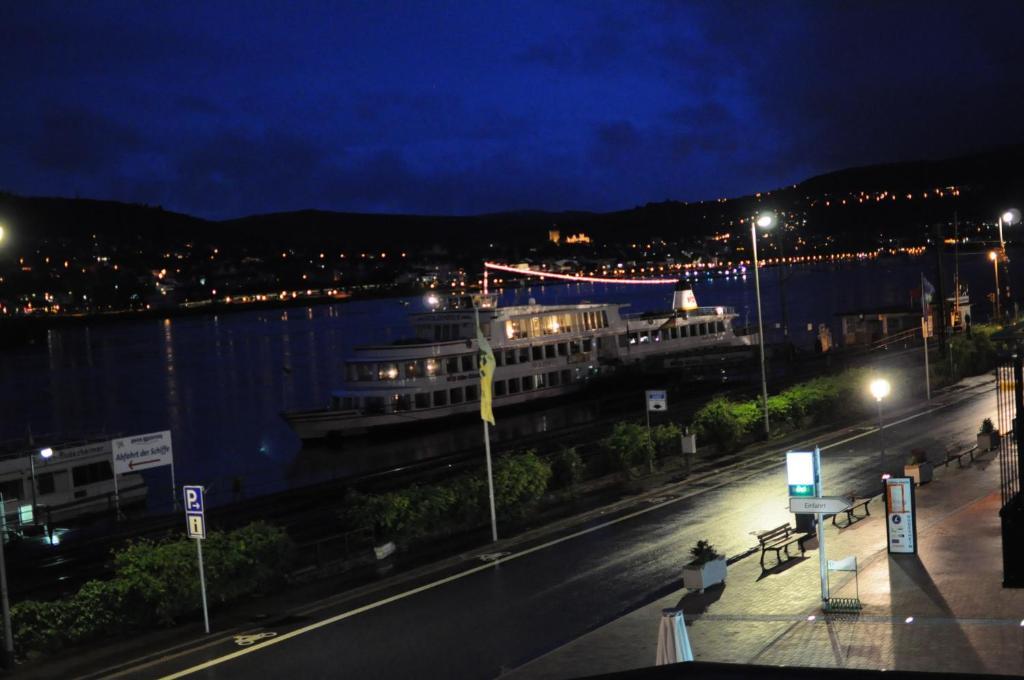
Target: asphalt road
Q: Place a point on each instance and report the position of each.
(477, 619)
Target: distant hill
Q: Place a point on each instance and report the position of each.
(988, 181)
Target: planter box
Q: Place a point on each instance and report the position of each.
(987, 442)
(705, 575)
(921, 473)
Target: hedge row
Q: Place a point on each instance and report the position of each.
(968, 355)
(728, 423)
(419, 511)
(155, 584)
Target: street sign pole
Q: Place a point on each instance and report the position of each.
(822, 561)
(174, 489)
(117, 500)
(650, 442)
(8, 654)
(195, 522)
(202, 584)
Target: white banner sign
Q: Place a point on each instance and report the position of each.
(142, 452)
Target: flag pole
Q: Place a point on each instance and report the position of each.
(481, 349)
(924, 343)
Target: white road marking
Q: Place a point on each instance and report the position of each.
(473, 570)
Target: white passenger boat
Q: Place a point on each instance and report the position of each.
(75, 481)
(540, 351)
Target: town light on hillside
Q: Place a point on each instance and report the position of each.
(765, 220)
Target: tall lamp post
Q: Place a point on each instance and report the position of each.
(880, 390)
(995, 270)
(1007, 219)
(7, 656)
(765, 220)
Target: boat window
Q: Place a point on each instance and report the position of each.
(666, 333)
(588, 344)
(513, 385)
(373, 405)
(633, 338)
(604, 319)
(347, 403)
(656, 336)
(539, 381)
(645, 337)
(510, 357)
(566, 377)
(499, 358)
(451, 365)
(440, 398)
(387, 371)
(587, 321)
(524, 355)
(563, 349)
(44, 483)
(91, 473)
(549, 351)
(455, 394)
(527, 383)
(422, 400)
(401, 402)
(414, 369)
(674, 333)
(471, 393)
(623, 340)
(553, 378)
(703, 329)
(535, 326)
(499, 388)
(574, 347)
(515, 328)
(363, 371)
(11, 489)
(468, 362)
(721, 326)
(600, 342)
(537, 352)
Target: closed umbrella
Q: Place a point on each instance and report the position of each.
(673, 642)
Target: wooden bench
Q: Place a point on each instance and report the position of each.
(954, 453)
(779, 539)
(851, 512)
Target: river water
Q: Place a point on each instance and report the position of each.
(220, 382)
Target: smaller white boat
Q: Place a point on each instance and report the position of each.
(75, 481)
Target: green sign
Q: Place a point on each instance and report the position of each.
(802, 490)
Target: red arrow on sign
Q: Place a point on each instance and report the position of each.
(132, 464)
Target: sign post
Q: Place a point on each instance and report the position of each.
(657, 400)
(803, 475)
(142, 452)
(195, 521)
(900, 525)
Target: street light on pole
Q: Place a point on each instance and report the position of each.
(995, 269)
(1007, 219)
(765, 220)
(880, 389)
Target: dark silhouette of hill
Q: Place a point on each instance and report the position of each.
(988, 181)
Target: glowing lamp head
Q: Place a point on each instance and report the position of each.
(766, 220)
(1011, 216)
(433, 300)
(992, 255)
(1, 233)
(880, 388)
(46, 453)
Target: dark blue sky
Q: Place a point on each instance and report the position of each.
(222, 109)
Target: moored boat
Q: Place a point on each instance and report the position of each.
(540, 351)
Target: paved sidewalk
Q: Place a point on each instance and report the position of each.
(941, 610)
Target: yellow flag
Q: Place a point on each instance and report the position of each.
(486, 375)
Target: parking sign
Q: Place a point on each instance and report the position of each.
(195, 521)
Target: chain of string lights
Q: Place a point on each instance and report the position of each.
(575, 277)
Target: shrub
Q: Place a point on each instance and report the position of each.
(702, 553)
(717, 423)
(666, 439)
(567, 468)
(631, 446)
(519, 483)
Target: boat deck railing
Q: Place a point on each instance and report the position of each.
(699, 311)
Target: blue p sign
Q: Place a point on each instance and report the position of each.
(193, 498)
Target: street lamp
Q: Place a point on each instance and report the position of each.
(45, 454)
(995, 269)
(880, 390)
(765, 220)
(1008, 219)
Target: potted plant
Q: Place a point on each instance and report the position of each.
(988, 436)
(705, 569)
(919, 468)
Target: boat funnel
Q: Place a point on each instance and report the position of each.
(683, 299)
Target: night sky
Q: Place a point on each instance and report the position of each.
(222, 109)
